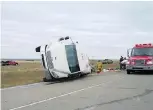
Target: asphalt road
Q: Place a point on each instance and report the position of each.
(108, 91)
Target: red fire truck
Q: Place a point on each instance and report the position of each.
(140, 58)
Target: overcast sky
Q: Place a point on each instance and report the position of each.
(104, 29)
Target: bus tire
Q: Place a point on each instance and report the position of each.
(45, 80)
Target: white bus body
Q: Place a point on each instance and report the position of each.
(63, 58)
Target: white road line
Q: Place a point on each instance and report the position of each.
(52, 98)
(34, 84)
(91, 108)
(27, 85)
(56, 97)
(22, 86)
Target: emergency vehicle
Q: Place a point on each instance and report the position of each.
(62, 59)
(140, 58)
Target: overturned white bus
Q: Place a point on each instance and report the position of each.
(63, 59)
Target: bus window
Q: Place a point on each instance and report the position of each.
(72, 58)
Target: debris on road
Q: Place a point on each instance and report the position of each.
(111, 70)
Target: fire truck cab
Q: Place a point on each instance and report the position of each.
(140, 58)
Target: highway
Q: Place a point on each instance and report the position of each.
(107, 91)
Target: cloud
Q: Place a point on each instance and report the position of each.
(99, 27)
(4, 45)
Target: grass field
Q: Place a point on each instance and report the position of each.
(25, 73)
(28, 72)
(106, 66)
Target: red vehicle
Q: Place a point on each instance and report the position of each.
(12, 63)
(140, 58)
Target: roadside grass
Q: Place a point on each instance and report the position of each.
(106, 66)
(28, 72)
(24, 73)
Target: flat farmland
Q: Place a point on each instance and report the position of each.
(28, 72)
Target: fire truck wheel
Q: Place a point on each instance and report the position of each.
(128, 72)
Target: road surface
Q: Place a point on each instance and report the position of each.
(108, 91)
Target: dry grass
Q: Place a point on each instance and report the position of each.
(29, 72)
(106, 66)
(25, 73)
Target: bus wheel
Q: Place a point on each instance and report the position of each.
(44, 79)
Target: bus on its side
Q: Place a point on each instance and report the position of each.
(63, 59)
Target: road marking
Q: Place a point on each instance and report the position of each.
(91, 108)
(66, 94)
(28, 85)
(56, 97)
(34, 84)
(22, 86)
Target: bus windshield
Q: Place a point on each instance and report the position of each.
(72, 58)
(142, 52)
